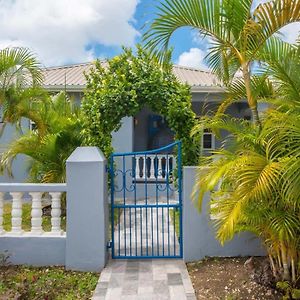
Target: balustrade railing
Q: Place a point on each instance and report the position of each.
(37, 192)
(153, 167)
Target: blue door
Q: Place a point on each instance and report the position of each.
(146, 203)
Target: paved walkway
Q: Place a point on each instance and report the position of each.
(159, 279)
(145, 231)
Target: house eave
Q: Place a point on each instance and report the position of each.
(80, 88)
(207, 89)
(67, 88)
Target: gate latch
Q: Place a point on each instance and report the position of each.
(109, 244)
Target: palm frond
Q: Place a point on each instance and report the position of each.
(19, 66)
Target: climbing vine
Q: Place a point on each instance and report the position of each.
(123, 87)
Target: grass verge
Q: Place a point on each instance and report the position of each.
(26, 218)
(21, 282)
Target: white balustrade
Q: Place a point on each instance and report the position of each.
(56, 212)
(16, 213)
(36, 213)
(1, 212)
(36, 191)
(154, 167)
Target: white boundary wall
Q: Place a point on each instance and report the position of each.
(84, 246)
(198, 234)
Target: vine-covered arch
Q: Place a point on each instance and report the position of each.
(123, 86)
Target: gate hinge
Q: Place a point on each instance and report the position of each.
(109, 244)
(107, 168)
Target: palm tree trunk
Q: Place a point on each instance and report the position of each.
(273, 266)
(251, 100)
(286, 272)
(293, 269)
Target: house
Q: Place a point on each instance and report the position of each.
(146, 130)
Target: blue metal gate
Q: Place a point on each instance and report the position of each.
(146, 203)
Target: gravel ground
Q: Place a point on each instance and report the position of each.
(227, 278)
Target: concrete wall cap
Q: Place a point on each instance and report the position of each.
(33, 187)
(86, 154)
(195, 167)
(190, 167)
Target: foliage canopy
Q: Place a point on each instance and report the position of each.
(127, 84)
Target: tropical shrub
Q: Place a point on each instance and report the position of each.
(251, 179)
(128, 83)
(48, 146)
(20, 79)
(254, 181)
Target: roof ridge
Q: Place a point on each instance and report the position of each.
(192, 69)
(105, 60)
(71, 65)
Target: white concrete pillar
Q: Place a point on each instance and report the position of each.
(87, 210)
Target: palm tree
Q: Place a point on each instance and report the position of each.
(257, 179)
(20, 79)
(238, 35)
(257, 176)
(49, 146)
(19, 71)
(18, 67)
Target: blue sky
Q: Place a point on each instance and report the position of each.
(188, 48)
(183, 39)
(73, 31)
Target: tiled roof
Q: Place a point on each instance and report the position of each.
(196, 77)
(72, 77)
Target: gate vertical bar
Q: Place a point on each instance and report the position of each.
(112, 177)
(135, 224)
(168, 201)
(124, 202)
(146, 200)
(179, 167)
(156, 194)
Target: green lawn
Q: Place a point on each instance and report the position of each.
(21, 282)
(26, 218)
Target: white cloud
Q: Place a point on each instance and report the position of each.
(193, 58)
(200, 40)
(59, 31)
(291, 32)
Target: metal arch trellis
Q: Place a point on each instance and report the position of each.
(146, 203)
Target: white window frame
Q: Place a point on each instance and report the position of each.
(213, 140)
(31, 124)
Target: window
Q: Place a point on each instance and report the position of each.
(208, 140)
(32, 125)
